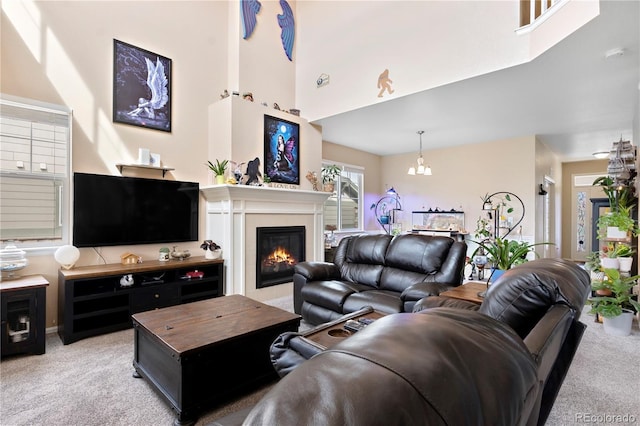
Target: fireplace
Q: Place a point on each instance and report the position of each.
(279, 249)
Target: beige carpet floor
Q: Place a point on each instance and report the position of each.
(89, 383)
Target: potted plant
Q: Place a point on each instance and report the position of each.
(620, 196)
(624, 253)
(504, 254)
(482, 228)
(329, 174)
(218, 169)
(617, 308)
(486, 202)
(609, 257)
(617, 224)
(211, 249)
(593, 265)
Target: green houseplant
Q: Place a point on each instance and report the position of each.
(218, 169)
(616, 309)
(211, 249)
(594, 266)
(482, 228)
(504, 254)
(621, 202)
(620, 219)
(620, 196)
(329, 174)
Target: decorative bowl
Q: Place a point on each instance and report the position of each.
(12, 259)
(180, 254)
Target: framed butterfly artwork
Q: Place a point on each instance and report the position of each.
(281, 150)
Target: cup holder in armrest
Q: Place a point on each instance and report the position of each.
(339, 332)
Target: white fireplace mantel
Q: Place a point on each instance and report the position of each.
(235, 211)
(261, 193)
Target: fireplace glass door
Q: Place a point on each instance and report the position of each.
(279, 249)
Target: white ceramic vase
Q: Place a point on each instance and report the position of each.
(625, 263)
(213, 254)
(620, 325)
(609, 263)
(597, 276)
(614, 232)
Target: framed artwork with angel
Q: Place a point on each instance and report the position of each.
(281, 150)
(141, 87)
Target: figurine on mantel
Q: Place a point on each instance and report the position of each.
(313, 178)
(237, 170)
(253, 172)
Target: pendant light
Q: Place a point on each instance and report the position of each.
(421, 170)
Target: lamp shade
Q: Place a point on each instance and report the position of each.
(67, 256)
(421, 169)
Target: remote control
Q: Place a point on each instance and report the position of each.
(353, 326)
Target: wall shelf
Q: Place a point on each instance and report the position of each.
(142, 166)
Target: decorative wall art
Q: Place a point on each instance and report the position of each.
(384, 83)
(287, 24)
(281, 150)
(141, 87)
(248, 11)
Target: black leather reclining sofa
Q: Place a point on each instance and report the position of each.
(387, 273)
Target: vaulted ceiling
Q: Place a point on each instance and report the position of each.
(573, 97)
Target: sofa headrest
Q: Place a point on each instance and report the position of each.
(367, 249)
(524, 293)
(418, 253)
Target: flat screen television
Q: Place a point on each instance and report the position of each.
(114, 210)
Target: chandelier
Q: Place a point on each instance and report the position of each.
(421, 170)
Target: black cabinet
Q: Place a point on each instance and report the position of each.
(23, 315)
(94, 300)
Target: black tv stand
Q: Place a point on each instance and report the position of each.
(92, 301)
(150, 282)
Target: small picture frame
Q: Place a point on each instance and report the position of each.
(154, 160)
(141, 87)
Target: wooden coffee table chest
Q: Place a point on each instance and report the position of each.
(199, 354)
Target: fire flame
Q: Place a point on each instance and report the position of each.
(279, 256)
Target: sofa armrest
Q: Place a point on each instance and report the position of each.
(447, 302)
(318, 271)
(290, 350)
(421, 290)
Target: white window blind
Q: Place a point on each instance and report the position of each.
(343, 208)
(34, 169)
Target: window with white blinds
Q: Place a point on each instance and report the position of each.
(35, 143)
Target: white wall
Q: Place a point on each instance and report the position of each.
(424, 44)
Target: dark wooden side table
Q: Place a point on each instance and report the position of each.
(468, 291)
(24, 301)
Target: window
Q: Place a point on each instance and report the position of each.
(343, 209)
(35, 142)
